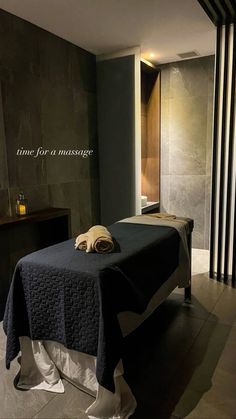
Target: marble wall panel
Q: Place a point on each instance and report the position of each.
(53, 59)
(165, 136)
(85, 79)
(59, 132)
(186, 198)
(22, 118)
(165, 81)
(211, 74)
(187, 135)
(66, 195)
(82, 198)
(189, 78)
(186, 142)
(3, 155)
(18, 44)
(4, 202)
(165, 192)
(48, 100)
(89, 196)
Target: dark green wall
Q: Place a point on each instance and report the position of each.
(48, 99)
(116, 127)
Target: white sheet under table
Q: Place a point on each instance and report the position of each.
(44, 362)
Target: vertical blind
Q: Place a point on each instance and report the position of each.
(223, 194)
(223, 197)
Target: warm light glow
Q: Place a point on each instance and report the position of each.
(22, 209)
(151, 56)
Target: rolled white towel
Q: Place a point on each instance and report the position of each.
(97, 239)
(81, 242)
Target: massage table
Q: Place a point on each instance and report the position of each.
(68, 312)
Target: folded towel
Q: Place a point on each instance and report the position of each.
(97, 239)
(163, 215)
(81, 242)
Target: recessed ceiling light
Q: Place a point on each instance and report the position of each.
(151, 55)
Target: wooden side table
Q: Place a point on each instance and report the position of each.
(20, 235)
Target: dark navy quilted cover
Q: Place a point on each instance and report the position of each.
(72, 297)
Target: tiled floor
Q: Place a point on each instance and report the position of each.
(186, 357)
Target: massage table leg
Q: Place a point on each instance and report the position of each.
(187, 294)
(187, 291)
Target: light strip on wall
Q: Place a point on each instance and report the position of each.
(220, 256)
(214, 152)
(231, 149)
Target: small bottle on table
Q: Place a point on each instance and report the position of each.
(21, 205)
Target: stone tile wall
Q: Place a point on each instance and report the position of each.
(47, 99)
(186, 141)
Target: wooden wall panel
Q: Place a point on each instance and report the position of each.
(151, 141)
